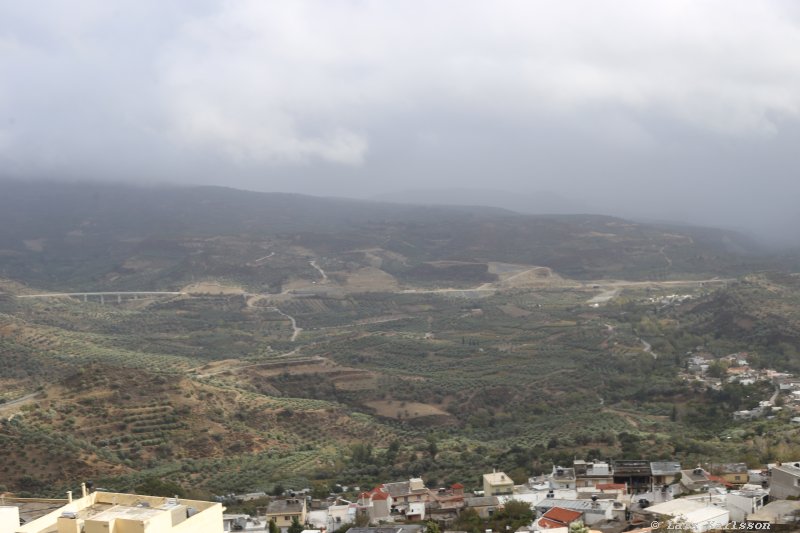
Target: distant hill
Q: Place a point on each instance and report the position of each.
(539, 203)
(65, 235)
(759, 311)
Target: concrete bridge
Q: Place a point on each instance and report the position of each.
(119, 295)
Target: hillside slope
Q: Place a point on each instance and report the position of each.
(78, 236)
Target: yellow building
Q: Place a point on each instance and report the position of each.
(109, 512)
(497, 484)
(734, 473)
(283, 511)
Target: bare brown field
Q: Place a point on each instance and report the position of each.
(514, 311)
(408, 410)
(369, 279)
(534, 277)
(353, 383)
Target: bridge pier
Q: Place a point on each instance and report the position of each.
(85, 298)
(119, 298)
(102, 299)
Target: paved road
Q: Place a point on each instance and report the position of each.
(435, 291)
(611, 287)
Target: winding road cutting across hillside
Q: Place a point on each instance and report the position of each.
(296, 330)
(648, 348)
(319, 269)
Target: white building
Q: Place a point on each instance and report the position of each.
(691, 514)
(9, 518)
(706, 519)
(103, 512)
(593, 511)
(785, 481)
(743, 503)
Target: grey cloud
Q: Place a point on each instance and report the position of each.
(667, 109)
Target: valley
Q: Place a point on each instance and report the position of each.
(243, 361)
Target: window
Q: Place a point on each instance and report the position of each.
(286, 518)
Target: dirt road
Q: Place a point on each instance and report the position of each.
(18, 402)
(319, 269)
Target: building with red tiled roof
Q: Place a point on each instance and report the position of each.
(721, 480)
(559, 517)
(376, 502)
(457, 490)
(610, 486)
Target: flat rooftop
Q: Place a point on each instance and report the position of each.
(498, 478)
(108, 506)
(126, 512)
(32, 508)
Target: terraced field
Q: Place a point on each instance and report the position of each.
(210, 390)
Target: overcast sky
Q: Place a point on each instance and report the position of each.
(679, 109)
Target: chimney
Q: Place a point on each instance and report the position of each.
(83, 490)
(69, 496)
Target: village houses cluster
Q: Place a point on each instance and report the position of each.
(606, 496)
(734, 368)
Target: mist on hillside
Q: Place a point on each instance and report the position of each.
(532, 107)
